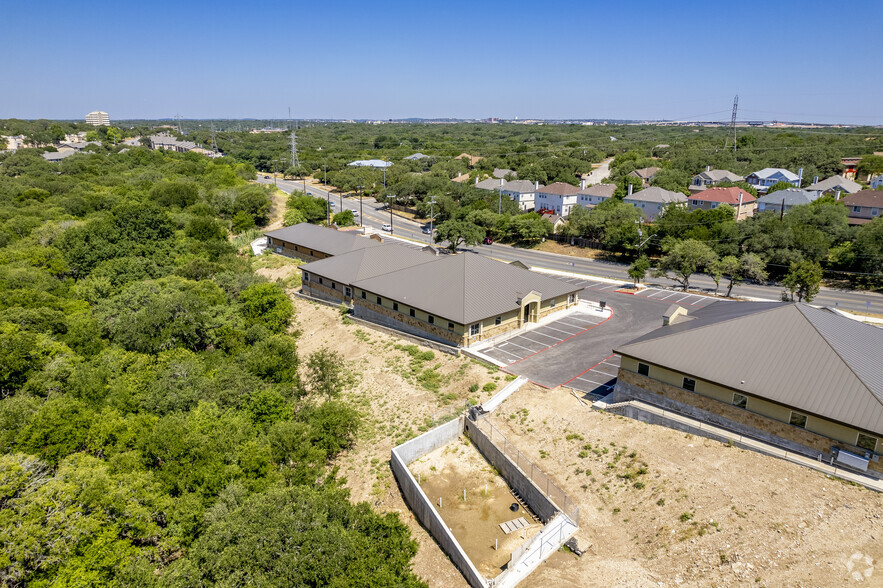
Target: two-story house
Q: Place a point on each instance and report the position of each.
(595, 195)
(763, 179)
(522, 192)
(835, 184)
(653, 200)
(645, 174)
(558, 198)
(712, 177)
(782, 201)
(741, 201)
(863, 206)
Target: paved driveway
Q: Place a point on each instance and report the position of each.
(577, 351)
(540, 339)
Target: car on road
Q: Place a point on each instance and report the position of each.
(387, 227)
(427, 231)
(266, 177)
(488, 241)
(331, 203)
(355, 212)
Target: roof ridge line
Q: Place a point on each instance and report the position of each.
(837, 353)
(709, 325)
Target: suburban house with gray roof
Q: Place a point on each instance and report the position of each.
(595, 195)
(653, 200)
(763, 179)
(802, 378)
(558, 198)
(713, 177)
(836, 184)
(522, 192)
(312, 242)
(645, 174)
(785, 200)
(490, 184)
(453, 299)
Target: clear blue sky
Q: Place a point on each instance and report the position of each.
(807, 60)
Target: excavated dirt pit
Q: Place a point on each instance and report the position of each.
(475, 522)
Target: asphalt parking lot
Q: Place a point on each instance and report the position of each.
(542, 338)
(577, 351)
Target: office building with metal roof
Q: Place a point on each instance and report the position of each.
(312, 242)
(803, 378)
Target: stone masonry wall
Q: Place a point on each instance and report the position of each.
(391, 318)
(631, 385)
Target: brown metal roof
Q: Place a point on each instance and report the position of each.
(362, 264)
(793, 354)
(322, 239)
(464, 288)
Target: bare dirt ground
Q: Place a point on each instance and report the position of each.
(661, 508)
(657, 507)
(564, 249)
(400, 395)
(474, 520)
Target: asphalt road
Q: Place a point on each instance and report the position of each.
(374, 214)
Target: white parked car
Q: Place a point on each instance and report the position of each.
(387, 227)
(355, 213)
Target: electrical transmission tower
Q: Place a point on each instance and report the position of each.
(214, 145)
(294, 162)
(178, 118)
(733, 124)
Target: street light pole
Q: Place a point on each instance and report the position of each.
(391, 198)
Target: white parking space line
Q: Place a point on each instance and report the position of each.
(506, 352)
(655, 293)
(537, 332)
(600, 372)
(580, 327)
(545, 345)
(554, 329)
(610, 286)
(669, 296)
(684, 298)
(616, 365)
(516, 345)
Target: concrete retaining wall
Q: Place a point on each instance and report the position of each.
(420, 503)
(544, 508)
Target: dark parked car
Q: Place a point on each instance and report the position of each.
(488, 240)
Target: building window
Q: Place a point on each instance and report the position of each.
(450, 326)
(875, 211)
(475, 329)
(364, 294)
(395, 305)
(689, 384)
(643, 369)
(312, 253)
(378, 300)
(866, 442)
(333, 286)
(347, 291)
(431, 319)
(856, 209)
(797, 419)
(306, 276)
(552, 303)
(740, 400)
(498, 320)
(320, 281)
(413, 313)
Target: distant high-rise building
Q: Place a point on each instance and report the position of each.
(98, 118)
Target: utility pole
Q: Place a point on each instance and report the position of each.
(431, 218)
(733, 124)
(361, 207)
